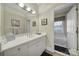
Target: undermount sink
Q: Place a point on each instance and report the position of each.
(30, 35)
(33, 35)
(20, 37)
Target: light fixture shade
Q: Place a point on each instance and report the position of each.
(21, 4)
(33, 12)
(28, 9)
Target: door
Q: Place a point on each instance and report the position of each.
(71, 30)
(28, 26)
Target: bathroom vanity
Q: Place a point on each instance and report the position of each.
(25, 45)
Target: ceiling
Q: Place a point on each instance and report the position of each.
(63, 8)
(43, 7)
(58, 7)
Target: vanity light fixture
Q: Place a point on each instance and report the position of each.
(33, 12)
(28, 9)
(21, 4)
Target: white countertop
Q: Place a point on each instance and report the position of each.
(20, 39)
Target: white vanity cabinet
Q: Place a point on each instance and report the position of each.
(17, 51)
(32, 48)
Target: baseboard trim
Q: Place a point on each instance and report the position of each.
(63, 54)
(50, 49)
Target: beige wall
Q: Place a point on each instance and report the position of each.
(0, 19)
(59, 15)
(48, 28)
(35, 28)
(8, 14)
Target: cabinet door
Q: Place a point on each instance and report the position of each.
(23, 50)
(17, 51)
(42, 45)
(36, 47)
(12, 52)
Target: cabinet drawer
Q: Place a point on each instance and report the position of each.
(36, 41)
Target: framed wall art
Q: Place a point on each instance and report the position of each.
(34, 23)
(15, 23)
(44, 21)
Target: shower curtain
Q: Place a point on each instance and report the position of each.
(71, 31)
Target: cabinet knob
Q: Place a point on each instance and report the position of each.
(19, 49)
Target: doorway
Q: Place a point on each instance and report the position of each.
(28, 26)
(65, 27)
